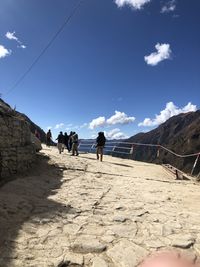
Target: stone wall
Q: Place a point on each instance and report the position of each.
(17, 152)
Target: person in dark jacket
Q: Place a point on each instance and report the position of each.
(66, 141)
(49, 136)
(60, 139)
(100, 143)
(70, 141)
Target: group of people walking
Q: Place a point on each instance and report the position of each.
(70, 142)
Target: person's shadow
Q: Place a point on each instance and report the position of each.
(26, 199)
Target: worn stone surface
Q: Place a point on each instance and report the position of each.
(75, 211)
(99, 262)
(88, 245)
(183, 240)
(127, 254)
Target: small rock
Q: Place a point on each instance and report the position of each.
(140, 213)
(74, 259)
(119, 207)
(182, 241)
(88, 246)
(98, 262)
(119, 219)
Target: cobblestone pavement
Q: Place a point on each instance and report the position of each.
(76, 211)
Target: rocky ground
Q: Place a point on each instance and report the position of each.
(75, 211)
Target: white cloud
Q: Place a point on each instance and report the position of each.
(115, 134)
(136, 4)
(59, 125)
(23, 46)
(12, 36)
(169, 7)
(4, 51)
(98, 122)
(49, 127)
(119, 118)
(189, 108)
(163, 52)
(169, 111)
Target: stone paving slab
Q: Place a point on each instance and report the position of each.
(76, 211)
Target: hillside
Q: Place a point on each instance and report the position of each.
(180, 133)
(33, 126)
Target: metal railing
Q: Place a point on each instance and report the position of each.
(116, 146)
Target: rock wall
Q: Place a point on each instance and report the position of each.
(31, 124)
(17, 152)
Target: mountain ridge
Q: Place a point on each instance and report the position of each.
(180, 133)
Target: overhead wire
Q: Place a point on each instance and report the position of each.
(67, 20)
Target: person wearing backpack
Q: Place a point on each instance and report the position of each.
(100, 143)
(75, 144)
(60, 145)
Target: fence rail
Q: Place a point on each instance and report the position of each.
(115, 146)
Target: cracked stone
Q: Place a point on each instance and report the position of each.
(119, 219)
(85, 246)
(127, 254)
(182, 241)
(99, 262)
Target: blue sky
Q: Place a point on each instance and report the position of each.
(115, 66)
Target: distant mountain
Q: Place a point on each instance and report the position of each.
(180, 134)
(33, 126)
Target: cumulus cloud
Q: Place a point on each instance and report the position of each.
(119, 118)
(115, 134)
(169, 111)
(59, 125)
(98, 122)
(169, 7)
(136, 4)
(163, 53)
(12, 36)
(4, 51)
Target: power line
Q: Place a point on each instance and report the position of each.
(67, 20)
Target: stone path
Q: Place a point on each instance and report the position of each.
(75, 211)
